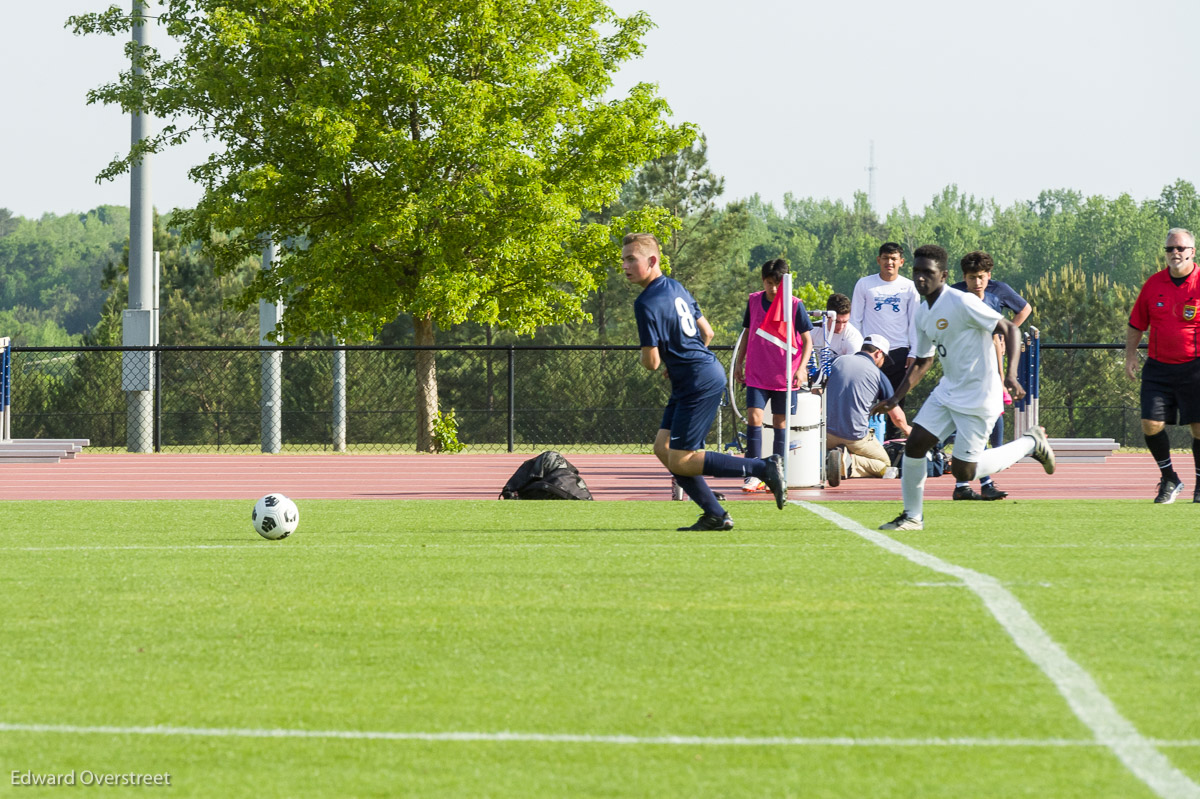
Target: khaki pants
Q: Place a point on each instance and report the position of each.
(867, 457)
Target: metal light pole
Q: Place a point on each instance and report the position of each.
(339, 398)
(139, 323)
(270, 314)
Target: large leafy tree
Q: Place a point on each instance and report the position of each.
(701, 251)
(434, 157)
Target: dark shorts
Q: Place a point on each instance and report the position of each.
(757, 398)
(896, 370)
(689, 417)
(1171, 392)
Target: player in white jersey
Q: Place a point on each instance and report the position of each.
(968, 399)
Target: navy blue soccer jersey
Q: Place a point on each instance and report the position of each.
(666, 319)
(998, 296)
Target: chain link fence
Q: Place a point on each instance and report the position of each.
(363, 399)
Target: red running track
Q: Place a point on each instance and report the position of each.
(133, 476)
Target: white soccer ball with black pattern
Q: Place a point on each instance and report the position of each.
(275, 517)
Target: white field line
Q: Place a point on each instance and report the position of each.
(1085, 698)
(278, 546)
(249, 545)
(558, 738)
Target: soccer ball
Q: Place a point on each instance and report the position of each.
(275, 517)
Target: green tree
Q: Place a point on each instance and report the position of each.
(433, 158)
(32, 327)
(8, 223)
(1179, 205)
(1075, 307)
(55, 263)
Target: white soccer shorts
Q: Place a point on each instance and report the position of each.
(971, 432)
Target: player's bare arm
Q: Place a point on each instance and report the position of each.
(1133, 339)
(1012, 342)
(739, 358)
(650, 358)
(919, 368)
(706, 331)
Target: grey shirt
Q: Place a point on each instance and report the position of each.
(855, 384)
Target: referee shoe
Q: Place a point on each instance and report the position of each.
(1168, 490)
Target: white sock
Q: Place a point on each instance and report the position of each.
(998, 459)
(912, 486)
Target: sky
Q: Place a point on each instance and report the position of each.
(1004, 100)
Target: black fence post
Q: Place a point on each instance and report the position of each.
(512, 398)
(157, 398)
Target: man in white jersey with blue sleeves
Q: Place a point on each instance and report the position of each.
(968, 399)
(886, 305)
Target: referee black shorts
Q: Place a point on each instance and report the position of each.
(1171, 392)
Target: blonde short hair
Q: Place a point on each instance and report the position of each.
(644, 242)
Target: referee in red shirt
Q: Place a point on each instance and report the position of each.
(1169, 307)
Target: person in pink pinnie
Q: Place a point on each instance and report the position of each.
(760, 365)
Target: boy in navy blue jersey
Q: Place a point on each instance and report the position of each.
(672, 331)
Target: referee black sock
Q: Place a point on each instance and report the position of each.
(1196, 458)
(1160, 450)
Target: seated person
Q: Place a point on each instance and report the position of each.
(856, 383)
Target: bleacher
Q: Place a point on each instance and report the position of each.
(40, 450)
(1082, 450)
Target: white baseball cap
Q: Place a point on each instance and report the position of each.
(878, 342)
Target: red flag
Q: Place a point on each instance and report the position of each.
(774, 328)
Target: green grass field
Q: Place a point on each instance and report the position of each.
(788, 657)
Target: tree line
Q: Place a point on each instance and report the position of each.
(1079, 261)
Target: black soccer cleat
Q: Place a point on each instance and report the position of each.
(1196, 495)
(965, 492)
(990, 492)
(1168, 490)
(776, 481)
(709, 521)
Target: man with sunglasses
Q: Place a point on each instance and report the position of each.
(1169, 307)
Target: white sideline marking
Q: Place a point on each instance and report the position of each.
(1086, 699)
(251, 543)
(533, 737)
(263, 545)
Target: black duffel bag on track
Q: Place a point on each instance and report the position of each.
(548, 476)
